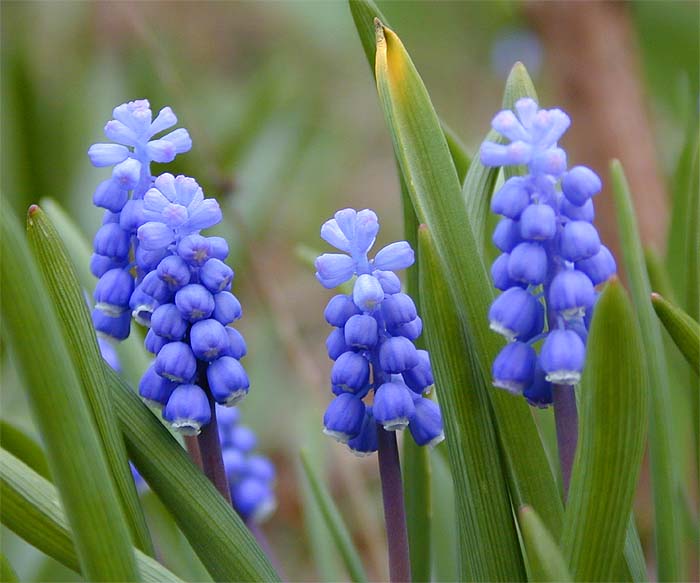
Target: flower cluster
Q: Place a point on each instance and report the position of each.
(372, 342)
(551, 257)
(154, 264)
(250, 476)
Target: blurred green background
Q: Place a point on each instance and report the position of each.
(283, 113)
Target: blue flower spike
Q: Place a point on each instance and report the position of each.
(372, 342)
(154, 265)
(552, 257)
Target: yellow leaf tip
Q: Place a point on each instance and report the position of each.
(378, 31)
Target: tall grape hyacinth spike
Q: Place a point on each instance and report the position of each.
(372, 340)
(155, 266)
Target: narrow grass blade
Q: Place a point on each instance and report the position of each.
(216, 533)
(435, 192)
(334, 521)
(484, 517)
(24, 447)
(31, 509)
(62, 286)
(7, 573)
(684, 331)
(544, 556)
(612, 432)
(419, 513)
(75, 456)
(444, 527)
(664, 470)
(635, 562)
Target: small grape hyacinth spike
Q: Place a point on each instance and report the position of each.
(552, 257)
(154, 265)
(372, 343)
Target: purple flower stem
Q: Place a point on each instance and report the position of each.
(394, 512)
(566, 421)
(192, 447)
(210, 451)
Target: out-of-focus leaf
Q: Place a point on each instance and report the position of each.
(658, 274)
(435, 192)
(544, 556)
(20, 445)
(443, 527)
(32, 510)
(665, 476)
(684, 331)
(334, 521)
(484, 517)
(75, 456)
(612, 434)
(62, 286)
(7, 573)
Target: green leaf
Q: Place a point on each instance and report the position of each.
(334, 521)
(75, 456)
(444, 527)
(435, 192)
(19, 444)
(612, 431)
(665, 475)
(216, 533)
(544, 556)
(484, 516)
(7, 573)
(684, 331)
(418, 503)
(32, 510)
(62, 286)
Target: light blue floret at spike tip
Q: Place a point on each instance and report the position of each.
(372, 340)
(154, 265)
(551, 257)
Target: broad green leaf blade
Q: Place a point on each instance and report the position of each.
(484, 517)
(7, 573)
(664, 470)
(612, 431)
(62, 285)
(684, 331)
(543, 554)
(76, 459)
(20, 445)
(216, 533)
(435, 192)
(334, 521)
(32, 510)
(132, 354)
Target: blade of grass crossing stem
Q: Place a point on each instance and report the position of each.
(684, 331)
(612, 432)
(480, 180)
(19, 444)
(434, 188)
(75, 456)
(133, 356)
(484, 517)
(31, 509)
(334, 521)
(213, 529)
(63, 287)
(544, 556)
(664, 470)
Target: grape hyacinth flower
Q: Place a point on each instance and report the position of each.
(551, 260)
(372, 340)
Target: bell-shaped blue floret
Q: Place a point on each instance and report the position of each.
(514, 367)
(361, 331)
(261, 467)
(252, 499)
(332, 269)
(420, 377)
(350, 372)
(397, 354)
(343, 417)
(174, 272)
(194, 249)
(243, 439)
(187, 409)
(538, 222)
(142, 306)
(539, 393)
(511, 199)
(600, 267)
(426, 424)
(506, 235)
(176, 362)
(499, 273)
(208, 339)
(390, 282)
(154, 389)
(236, 346)
(365, 443)
(112, 241)
(528, 263)
(395, 256)
(113, 291)
(515, 313)
(153, 342)
(585, 212)
(110, 195)
(131, 216)
(367, 293)
(117, 327)
(99, 264)
(167, 322)
(411, 330)
(339, 310)
(228, 380)
(227, 308)
(398, 309)
(234, 460)
(335, 343)
(579, 184)
(393, 406)
(562, 357)
(571, 293)
(579, 240)
(216, 276)
(195, 302)
(155, 287)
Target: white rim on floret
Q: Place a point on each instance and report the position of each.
(397, 424)
(138, 310)
(502, 330)
(435, 440)
(337, 435)
(234, 398)
(564, 377)
(359, 453)
(110, 310)
(187, 427)
(510, 386)
(574, 313)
